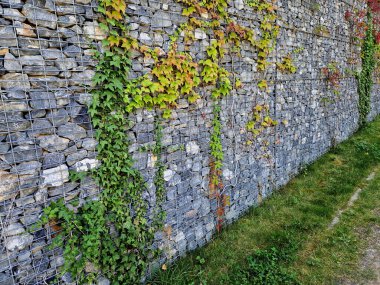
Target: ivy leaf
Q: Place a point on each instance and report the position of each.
(193, 98)
(167, 114)
(188, 11)
(263, 84)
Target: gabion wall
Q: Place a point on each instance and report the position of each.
(45, 79)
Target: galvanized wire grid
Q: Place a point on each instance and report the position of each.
(45, 130)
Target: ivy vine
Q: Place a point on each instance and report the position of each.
(112, 234)
(365, 25)
(365, 76)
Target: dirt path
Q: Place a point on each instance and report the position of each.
(370, 262)
(371, 259)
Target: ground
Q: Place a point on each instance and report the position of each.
(371, 260)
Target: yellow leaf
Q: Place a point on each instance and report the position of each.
(238, 83)
(164, 267)
(258, 108)
(187, 12)
(263, 84)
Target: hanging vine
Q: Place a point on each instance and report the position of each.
(365, 23)
(260, 113)
(365, 76)
(111, 235)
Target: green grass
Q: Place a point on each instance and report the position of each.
(335, 255)
(293, 223)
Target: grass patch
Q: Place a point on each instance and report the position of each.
(294, 218)
(334, 256)
(264, 267)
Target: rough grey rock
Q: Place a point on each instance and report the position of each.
(50, 82)
(41, 127)
(67, 33)
(18, 242)
(52, 54)
(56, 176)
(16, 4)
(53, 143)
(12, 106)
(13, 14)
(11, 63)
(42, 100)
(66, 63)
(4, 265)
(161, 20)
(53, 159)
(8, 185)
(16, 94)
(93, 31)
(75, 157)
(6, 279)
(84, 98)
(57, 261)
(200, 34)
(23, 256)
(25, 30)
(18, 138)
(31, 46)
(13, 229)
(84, 2)
(63, 190)
(71, 9)
(103, 281)
(67, 20)
(41, 70)
(83, 119)
(13, 122)
(4, 147)
(15, 81)
(239, 4)
(168, 174)
(145, 39)
(58, 117)
(89, 144)
(7, 37)
(32, 60)
(72, 131)
(62, 97)
(48, 33)
(4, 165)
(86, 165)
(192, 148)
(23, 153)
(72, 51)
(82, 77)
(29, 167)
(228, 174)
(39, 17)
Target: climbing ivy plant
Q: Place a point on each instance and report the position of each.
(365, 23)
(112, 234)
(365, 76)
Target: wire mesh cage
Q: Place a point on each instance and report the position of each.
(46, 135)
